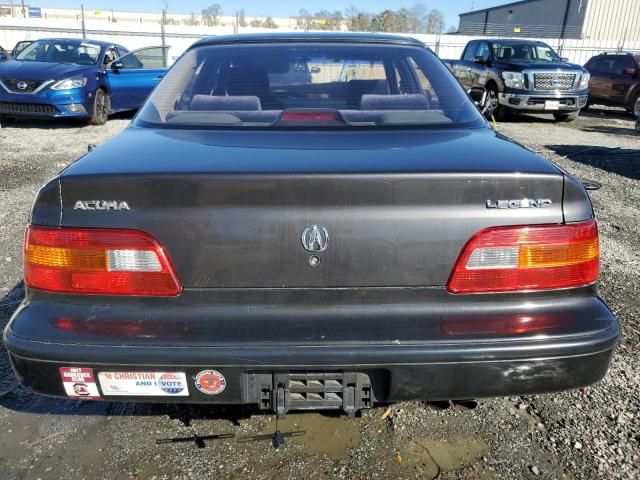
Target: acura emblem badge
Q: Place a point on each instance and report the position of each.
(315, 238)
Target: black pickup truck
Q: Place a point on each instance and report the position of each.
(333, 243)
(522, 76)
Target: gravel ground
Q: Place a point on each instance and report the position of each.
(591, 433)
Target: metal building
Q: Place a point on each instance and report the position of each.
(588, 19)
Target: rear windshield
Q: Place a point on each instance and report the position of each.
(290, 85)
(60, 51)
(525, 51)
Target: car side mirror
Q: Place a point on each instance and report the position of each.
(630, 71)
(117, 65)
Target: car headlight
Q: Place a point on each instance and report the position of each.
(513, 80)
(584, 81)
(69, 83)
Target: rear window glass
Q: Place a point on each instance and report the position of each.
(293, 85)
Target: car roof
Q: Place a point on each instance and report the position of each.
(509, 40)
(99, 43)
(315, 37)
(604, 54)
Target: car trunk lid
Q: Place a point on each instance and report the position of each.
(297, 210)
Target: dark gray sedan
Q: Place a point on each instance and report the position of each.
(362, 236)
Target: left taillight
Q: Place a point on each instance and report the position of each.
(97, 261)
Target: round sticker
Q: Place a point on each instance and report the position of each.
(171, 383)
(210, 382)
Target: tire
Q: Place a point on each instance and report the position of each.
(566, 117)
(101, 108)
(500, 113)
(633, 105)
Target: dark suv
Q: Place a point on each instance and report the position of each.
(615, 79)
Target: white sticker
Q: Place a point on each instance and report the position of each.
(552, 105)
(79, 383)
(144, 384)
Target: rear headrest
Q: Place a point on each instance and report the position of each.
(227, 104)
(394, 102)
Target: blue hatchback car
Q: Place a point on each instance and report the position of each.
(74, 78)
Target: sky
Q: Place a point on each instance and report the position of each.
(451, 8)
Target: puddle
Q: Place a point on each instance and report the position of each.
(324, 435)
(427, 454)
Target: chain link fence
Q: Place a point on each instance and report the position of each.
(180, 37)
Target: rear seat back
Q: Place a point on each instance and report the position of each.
(216, 103)
(394, 102)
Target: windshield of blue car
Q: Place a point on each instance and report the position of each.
(525, 51)
(298, 85)
(60, 51)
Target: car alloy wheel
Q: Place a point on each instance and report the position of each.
(101, 108)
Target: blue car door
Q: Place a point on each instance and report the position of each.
(132, 77)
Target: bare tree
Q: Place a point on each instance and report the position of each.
(242, 18)
(435, 22)
(211, 15)
(269, 23)
(192, 21)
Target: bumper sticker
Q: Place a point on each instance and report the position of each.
(79, 383)
(210, 382)
(144, 384)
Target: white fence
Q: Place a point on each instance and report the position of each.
(178, 37)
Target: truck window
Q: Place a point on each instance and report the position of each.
(483, 51)
(623, 63)
(525, 51)
(470, 52)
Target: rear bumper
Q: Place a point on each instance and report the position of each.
(403, 358)
(397, 373)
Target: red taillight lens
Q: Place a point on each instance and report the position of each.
(505, 325)
(504, 259)
(97, 261)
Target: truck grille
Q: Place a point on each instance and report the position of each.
(27, 108)
(14, 84)
(553, 81)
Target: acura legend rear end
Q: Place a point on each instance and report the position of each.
(306, 221)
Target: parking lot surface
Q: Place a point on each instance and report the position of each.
(590, 433)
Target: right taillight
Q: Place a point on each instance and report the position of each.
(504, 259)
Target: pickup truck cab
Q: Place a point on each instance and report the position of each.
(522, 76)
(257, 238)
